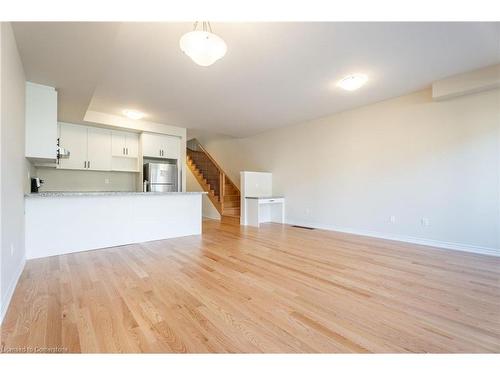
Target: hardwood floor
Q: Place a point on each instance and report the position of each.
(273, 289)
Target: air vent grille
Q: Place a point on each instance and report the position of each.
(301, 227)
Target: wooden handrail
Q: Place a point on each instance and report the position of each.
(215, 182)
(222, 187)
(215, 163)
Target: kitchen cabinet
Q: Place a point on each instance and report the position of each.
(151, 145)
(73, 138)
(171, 147)
(160, 146)
(89, 147)
(40, 122)
(98, 149)
(125, 144)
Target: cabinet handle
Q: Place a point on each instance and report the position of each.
(88, 163)
(85, 164)
(124, 151)
(127, 150)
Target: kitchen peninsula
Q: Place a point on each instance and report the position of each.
(66, 222)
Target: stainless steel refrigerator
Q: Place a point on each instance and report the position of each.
(161, 177)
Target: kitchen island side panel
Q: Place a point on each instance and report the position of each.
(66, 224)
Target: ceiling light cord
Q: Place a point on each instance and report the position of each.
(205, 26)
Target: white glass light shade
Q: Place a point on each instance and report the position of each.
(203, 47)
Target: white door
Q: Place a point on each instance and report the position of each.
(152, 145)
(73, 138)
(118, 142)
(171, 147)
(99, 149)
(132, 145)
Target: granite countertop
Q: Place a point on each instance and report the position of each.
(56, 194)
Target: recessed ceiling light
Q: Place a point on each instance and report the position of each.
(134, 115)
(352, 82)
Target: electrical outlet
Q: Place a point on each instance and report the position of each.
(425, 221)
(11, 249)
(392, 219)
(307, 211)
(106, 180)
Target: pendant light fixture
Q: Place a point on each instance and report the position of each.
(203, 46)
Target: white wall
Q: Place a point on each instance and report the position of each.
(408, 157)
(13, 165)
(208, 208)
(467, 83)
(71, 180)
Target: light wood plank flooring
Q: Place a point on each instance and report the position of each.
(273, 289)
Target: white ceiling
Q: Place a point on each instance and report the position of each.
(274, 74)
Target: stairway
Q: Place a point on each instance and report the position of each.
(222, 192)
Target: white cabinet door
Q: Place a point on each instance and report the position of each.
(118, 142)
(132, 145)
(40, 122)
(152, 145)
(99, 149)
(171, 147)
(124, 144)
(161, 146)
(73, 138)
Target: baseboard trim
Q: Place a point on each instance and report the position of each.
(409, 239)
(211, 217)
(10, 290)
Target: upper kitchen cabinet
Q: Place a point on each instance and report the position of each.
(98, 149)
(125, 151)
(89, 147)
(171, 147)
(73, 138)
(125, 144)
(160, 146)
(41, 122)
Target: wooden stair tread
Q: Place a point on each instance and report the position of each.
(223, 193)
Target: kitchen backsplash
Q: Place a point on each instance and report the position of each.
(69, 180)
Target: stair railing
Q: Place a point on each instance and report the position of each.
(219, 185)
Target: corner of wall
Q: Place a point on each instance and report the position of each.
(8, 292)
(13, 166)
